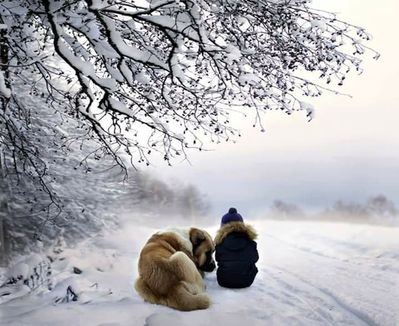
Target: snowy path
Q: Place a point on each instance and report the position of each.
(309, 274)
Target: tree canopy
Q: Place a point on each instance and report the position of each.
(144, 76)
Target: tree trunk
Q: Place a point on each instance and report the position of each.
(4, 209)
(4, 213)
(3, 50)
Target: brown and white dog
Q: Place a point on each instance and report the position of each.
(170, 267)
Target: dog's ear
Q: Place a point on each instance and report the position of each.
(196, 237)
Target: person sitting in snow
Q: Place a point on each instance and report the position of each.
(236, 252)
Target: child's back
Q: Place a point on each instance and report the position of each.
(236, 252)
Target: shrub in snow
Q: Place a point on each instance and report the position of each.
(63, 274)
(33, 272)
(25, 276)
(79, 289)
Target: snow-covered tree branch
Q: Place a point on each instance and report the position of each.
(165, 75)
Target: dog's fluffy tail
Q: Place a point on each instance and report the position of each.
(181, 297)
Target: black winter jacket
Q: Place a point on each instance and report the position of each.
(236, 254)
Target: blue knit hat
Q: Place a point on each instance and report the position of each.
(231, 216)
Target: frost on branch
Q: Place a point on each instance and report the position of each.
(164, 75)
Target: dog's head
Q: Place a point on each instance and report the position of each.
(203, 248)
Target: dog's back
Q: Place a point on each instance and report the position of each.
(168, 276)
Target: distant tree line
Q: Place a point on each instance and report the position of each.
(376, 209)
(181, 200)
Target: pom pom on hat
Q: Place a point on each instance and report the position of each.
(231, 216)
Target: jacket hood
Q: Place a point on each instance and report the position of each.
(231, 227)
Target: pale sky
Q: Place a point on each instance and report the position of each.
(349, 151)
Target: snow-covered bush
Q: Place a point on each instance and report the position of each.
(25, 276)
(62, 272)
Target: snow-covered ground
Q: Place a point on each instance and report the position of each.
(310, 273)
